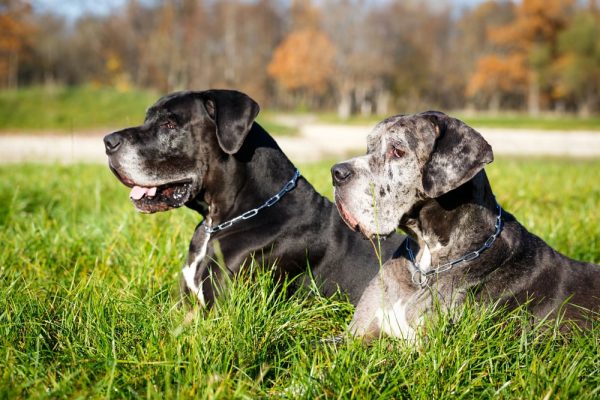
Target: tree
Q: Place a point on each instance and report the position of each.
(578, 67)
(242, 41)
(303, 61)
(391, 53)
(361, 66)
(529, 43)
(498, 76)
(481, 69)
(16, 36)
(49, 51)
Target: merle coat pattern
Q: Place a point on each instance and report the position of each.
(424, 173)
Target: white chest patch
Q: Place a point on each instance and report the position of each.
(425, 260)
(189, 271)
(393, 321)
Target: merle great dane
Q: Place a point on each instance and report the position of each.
(205, 151)
(424, 173)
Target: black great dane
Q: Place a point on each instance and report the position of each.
(205, 151)
(424, 173)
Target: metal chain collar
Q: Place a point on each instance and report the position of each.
(251, 213)
(420, 278)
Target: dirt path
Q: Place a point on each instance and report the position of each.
(315, 142)
(336, 140)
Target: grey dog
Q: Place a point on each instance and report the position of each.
(424, 173)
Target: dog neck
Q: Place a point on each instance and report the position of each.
(454, 224)
(242, 187)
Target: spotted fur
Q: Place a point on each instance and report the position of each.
(424, 174)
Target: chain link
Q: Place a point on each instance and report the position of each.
(291, 184)
(420, 277)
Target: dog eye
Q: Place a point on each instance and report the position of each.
(397, 152)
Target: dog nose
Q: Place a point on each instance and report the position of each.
(341, 173)
(112, 142)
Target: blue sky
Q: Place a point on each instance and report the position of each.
(74, 8)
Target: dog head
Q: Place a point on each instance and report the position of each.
(409, 159)
(165, 160)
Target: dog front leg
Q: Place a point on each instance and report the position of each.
(191, 274)
(386, 305)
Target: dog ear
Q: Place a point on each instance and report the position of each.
(458, 154)
(233, 113)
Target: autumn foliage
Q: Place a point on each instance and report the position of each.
(304, 60)
(15, 37)
(536, 54)
(355, 56)
(499, 74)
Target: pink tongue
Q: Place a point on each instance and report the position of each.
(138, 192)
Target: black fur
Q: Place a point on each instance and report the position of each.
(235, 166)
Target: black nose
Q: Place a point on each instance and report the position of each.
(341, 173)
(112, 142)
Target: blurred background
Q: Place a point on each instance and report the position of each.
(350, 56)
(81, 66)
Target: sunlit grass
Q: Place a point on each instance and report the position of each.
(88, 294)
(81, 108)
(71, 109)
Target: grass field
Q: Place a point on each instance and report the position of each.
(88, 289)
(77, 109)
(549, 122)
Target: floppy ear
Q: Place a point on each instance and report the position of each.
(458, 154)
(233, 113)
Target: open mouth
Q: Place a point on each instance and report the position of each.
(157, 198)
(160, 198)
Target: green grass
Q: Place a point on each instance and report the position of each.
(88, 290)
(71, 109)
(268, 120)
(516, 121)
(76, 109)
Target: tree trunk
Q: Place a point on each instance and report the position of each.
(586, 107)
(230, 44)
(362, 100)
(345, 106)
(13, 70)
(533, 96)
(382, 102)
(494, 104)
